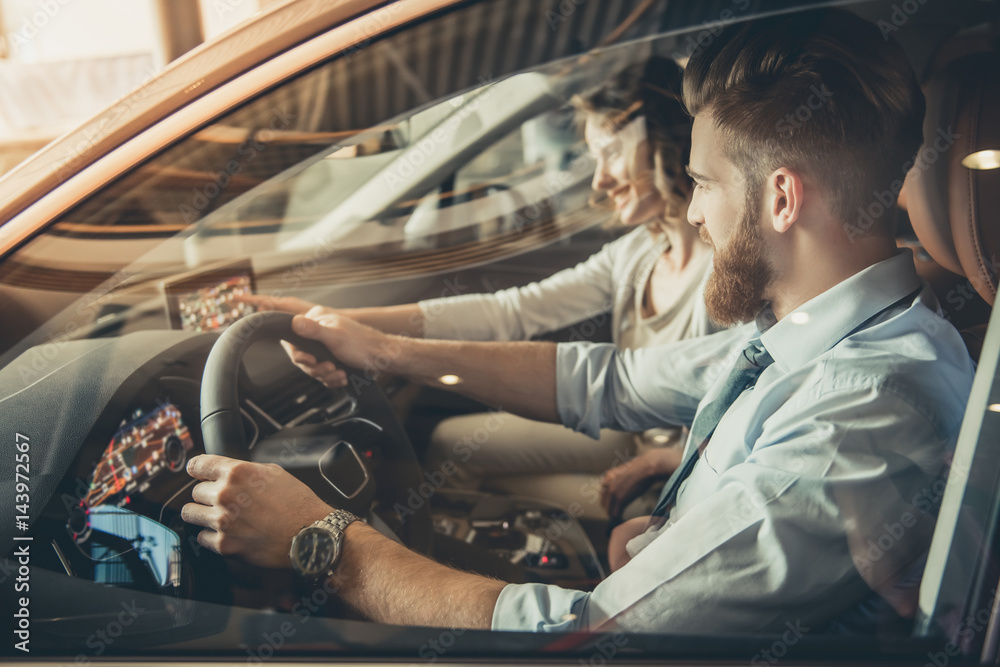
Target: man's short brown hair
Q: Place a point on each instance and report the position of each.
(820, 92)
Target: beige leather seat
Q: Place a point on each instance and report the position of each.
(953, 206)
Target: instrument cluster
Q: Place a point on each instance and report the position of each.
(122, 526)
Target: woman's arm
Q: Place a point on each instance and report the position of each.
(403, 320)
(518, 313)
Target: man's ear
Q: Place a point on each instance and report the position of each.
(785, 191)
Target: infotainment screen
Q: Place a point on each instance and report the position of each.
(207, 300)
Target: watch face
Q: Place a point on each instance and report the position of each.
(314, 551)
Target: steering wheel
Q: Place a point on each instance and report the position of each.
(334, 459)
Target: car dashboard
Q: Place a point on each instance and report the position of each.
(112, 423)
(107, 473)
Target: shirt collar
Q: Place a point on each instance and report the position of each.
(823, 321)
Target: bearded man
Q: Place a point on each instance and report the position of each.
(814, 427)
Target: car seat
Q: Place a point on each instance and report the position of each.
(954, 199)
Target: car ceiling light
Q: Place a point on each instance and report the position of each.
(995, 407)
(661, 438)
(988, 159)
(799, 318)
(449, 379)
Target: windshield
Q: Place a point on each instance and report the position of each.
(456, 183)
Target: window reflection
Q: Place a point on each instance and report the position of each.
(129, 548)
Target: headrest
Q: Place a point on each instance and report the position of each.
(927, 182)
(955, 209)
(975, 192)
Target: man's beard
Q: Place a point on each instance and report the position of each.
(741, 274)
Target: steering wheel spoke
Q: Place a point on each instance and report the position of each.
(334, 461)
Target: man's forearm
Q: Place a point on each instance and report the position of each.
(388, 583)
(518, 377)
(404, 320)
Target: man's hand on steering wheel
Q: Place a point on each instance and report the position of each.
(351, 342)
(252, 510)
(326, 372)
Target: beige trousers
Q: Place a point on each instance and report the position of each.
(498, 451)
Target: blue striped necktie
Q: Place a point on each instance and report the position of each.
(750, 365)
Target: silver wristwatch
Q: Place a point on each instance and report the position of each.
(316, 549)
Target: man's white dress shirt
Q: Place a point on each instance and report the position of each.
(814, 487)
